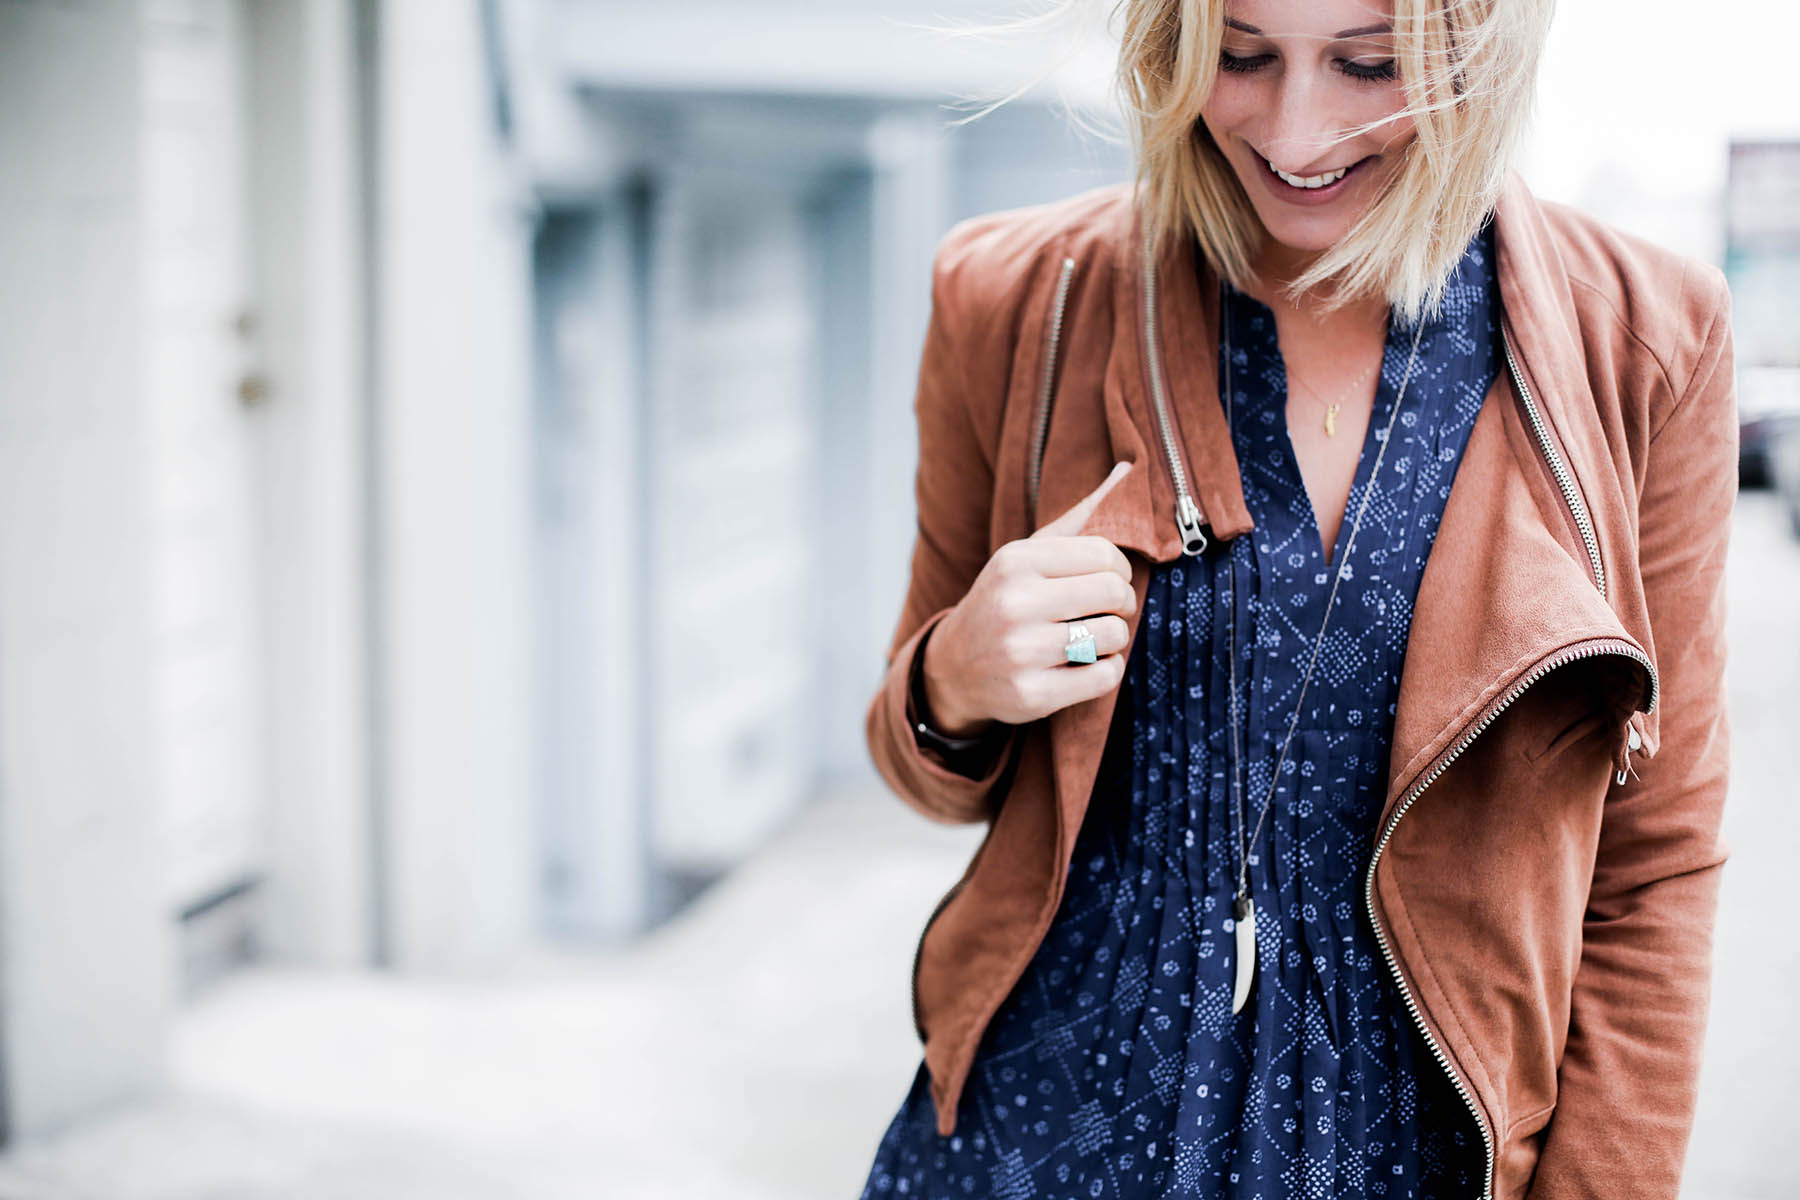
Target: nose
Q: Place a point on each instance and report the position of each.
(1301, 128)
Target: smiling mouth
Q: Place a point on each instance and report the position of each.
(1309, 182)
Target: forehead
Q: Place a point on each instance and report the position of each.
(1309, 18)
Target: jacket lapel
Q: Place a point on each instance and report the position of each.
(1502, 590)
(1138, 514)
(1509, 581)
(1543, 317)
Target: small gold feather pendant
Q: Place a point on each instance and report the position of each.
(1245, 911)
(1331, 421)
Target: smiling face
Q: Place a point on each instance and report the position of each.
(1294, 77)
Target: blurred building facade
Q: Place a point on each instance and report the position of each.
(457, 454)
(458, 465)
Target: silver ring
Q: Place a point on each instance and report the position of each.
(1080, 647)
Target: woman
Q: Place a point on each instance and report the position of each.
(1353, 752)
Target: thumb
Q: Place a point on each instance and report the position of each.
(1070, 522)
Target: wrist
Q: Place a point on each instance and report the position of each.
(937, 707)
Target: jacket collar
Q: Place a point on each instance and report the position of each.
(1138, 515)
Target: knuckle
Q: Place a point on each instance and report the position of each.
(1009, 604)
(1005, 560)
(1127, 595)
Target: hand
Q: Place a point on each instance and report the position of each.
(998, 655)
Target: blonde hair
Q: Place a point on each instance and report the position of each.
(1469, 71)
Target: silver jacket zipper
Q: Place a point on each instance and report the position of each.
(1585, 649)
(1564, 479)
(1188, 518)
(1047, 379)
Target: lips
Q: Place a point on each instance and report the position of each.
(1319, 195)
(1309, 181)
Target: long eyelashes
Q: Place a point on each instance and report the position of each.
(1381, 72)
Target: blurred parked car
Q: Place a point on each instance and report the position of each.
(1768, 407)
(1783, 454)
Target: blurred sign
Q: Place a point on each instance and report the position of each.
(1762, 251)
(1762, 197)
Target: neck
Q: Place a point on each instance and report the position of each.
(1276, 266)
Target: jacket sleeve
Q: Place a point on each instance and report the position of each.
(953, 492)
(1627, 1083)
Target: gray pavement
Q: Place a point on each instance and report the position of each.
(757, 1047)
(1748, 1126)
(754, 1048)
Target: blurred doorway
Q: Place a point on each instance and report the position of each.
(681, 462)
(202, 391)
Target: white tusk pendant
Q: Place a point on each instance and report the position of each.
(1245, 912)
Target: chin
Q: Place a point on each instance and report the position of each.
(1304, 237)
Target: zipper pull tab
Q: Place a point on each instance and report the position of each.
(1190, 522)
(1633, 741)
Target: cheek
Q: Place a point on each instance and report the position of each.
(1233, 103)
(1399, 130)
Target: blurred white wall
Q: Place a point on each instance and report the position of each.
(89, 956)
(451, 453)
(310, 269)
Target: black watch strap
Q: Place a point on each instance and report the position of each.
(968, 755)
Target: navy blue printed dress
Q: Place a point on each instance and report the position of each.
(1115, 1068)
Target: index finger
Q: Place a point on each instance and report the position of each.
(1075, 554)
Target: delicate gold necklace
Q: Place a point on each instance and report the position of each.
(1243, 906)
(1331, 410)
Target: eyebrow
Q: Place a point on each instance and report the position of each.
(1359, 31)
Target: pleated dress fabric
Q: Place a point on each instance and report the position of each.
(1115, 1066)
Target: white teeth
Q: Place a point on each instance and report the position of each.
(1308, 181)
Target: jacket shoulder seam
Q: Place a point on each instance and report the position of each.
(1600, 293)
(953, 323)
(1706, 361)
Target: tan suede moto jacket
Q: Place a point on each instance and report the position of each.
(1545, 872)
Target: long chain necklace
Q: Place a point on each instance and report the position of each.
(1243, 906)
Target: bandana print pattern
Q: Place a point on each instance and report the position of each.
(1115, 1067)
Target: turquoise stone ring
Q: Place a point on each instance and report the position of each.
(1081, 644)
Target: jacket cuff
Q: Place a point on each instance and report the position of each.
(972, 761)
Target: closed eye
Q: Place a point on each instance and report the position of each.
(1231, 62)
(1381, 72)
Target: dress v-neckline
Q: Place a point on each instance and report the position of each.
(1378, 415)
